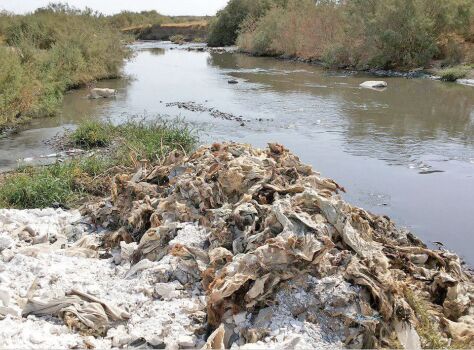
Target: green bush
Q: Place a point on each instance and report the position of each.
(50, 51)
(12, 77)
(454, 73)
(389, 34)
(224, 29)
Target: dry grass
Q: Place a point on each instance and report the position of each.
(135, 28)
(387, 34)
(429, 333)
(301, 30)
(186, 24)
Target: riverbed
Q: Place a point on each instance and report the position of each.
(406, 152)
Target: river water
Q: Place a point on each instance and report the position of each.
(406, 152)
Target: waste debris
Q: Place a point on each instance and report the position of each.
(374, 84)
(97, 93)
(274, 224)
(196, 107)
(229, 247)
(55, 296)
(59, 156)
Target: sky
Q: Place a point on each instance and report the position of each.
(166, 7)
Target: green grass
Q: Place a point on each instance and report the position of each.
(92, 134)
(70, 182)
(145, 140)
(454, 73)
(50, 51)
(41, 187)
(36, 188)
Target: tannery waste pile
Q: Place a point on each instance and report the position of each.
(230, 247)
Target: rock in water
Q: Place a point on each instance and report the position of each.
(102, 93)
(374, 84)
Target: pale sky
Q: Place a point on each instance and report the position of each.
(166, 7)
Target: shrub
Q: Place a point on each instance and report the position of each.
(11, 84)
(224, 29)
(52, 50)
(126, 19)
(390, 34)
(454, 73)
(178, 39)
(300, 29)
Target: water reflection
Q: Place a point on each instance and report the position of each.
(411, 117)
(157, 51)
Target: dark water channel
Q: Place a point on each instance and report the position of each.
(407, 151)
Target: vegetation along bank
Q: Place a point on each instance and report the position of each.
(45, 53)
(356, 34)
(72, 181)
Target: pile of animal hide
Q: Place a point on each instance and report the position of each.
(285, 259)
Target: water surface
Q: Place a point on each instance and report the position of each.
(406, 152)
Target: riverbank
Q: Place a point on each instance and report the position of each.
(87, 159)
(187, 32)
(228, 245)
(463, 74)
(352, 34)
(42, 57)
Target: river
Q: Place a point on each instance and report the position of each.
(406, 152)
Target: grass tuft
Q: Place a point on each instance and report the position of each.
(91, 134)
(70, 182)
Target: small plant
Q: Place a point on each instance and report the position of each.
(454, 73)
(92, 134)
